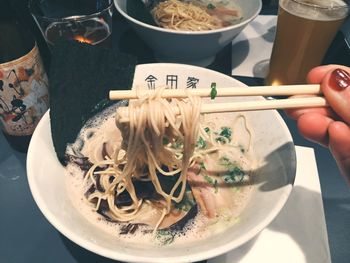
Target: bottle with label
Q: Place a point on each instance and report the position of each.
(23, 82)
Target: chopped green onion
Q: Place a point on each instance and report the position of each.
(177, 145)
(225, 161)
(226, 132)
(165, 237)
(235, 174)
(212, 182)
(186, 203)
(208, 179)
(216, 186)
(211, 6)
(201, 144)
(165, 141)
(213, 92)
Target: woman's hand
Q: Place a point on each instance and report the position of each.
(329, 126)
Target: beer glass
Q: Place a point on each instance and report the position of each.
(88, 21)
(305, 30)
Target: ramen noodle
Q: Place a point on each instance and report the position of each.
(161, 169)
(195, 15)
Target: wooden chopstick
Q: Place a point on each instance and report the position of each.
(264, 105)
(250, 105)
(286, 90)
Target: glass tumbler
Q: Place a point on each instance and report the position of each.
(305, 30)
(88, 21)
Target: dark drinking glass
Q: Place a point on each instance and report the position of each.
(88, 21)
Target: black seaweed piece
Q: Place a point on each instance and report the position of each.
(83, 162)
(138, 10)
(103, 104)
(80, 78)
(168, 182)
(134, 228)
(110, 179)
(123, 199)
(99, 187)
(107, 217)
(143, 189)
(103, 206)
(90, 191)
(128, 229)
(103, 211)
(180, 225)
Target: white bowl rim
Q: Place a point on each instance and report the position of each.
(203, 255)
(204, 32)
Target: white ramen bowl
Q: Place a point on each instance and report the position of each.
(195, 48)
(273, 180)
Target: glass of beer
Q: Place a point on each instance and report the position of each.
(88, 21)
(305, 30)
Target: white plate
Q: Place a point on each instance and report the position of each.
(273, 147)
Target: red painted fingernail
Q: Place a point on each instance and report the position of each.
(339, 80)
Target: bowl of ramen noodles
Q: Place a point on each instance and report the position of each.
(188, 31)
(155, 180)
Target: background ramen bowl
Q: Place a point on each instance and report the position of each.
(274, 177)
(195, 48)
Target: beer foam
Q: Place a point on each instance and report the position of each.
(321, 10)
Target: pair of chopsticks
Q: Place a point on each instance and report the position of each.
(286, 90)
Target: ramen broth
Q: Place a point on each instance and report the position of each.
(227, 198)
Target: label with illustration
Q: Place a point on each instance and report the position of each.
(24, 94)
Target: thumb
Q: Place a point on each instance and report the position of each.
(336, 89)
